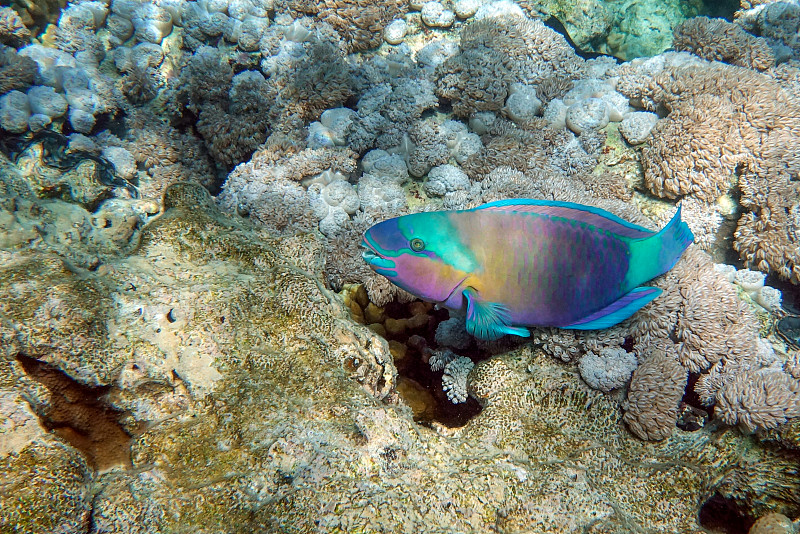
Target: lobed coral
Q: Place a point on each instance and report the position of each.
(731, 126)
(496, 52)
(763, 398)
(360, 23)
(720, 40)
(653, 396)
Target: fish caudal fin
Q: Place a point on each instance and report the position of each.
(489, 320)
(617, 311)
(657, 254)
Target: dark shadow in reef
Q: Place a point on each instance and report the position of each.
(79, 415)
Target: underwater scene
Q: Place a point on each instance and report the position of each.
(399, 266)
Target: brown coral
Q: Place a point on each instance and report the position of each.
(359, 22)
(16, 72)
(165, 154)
(700, 312)
(726, 125)
(759, 399)
(656, 389)
(498, 51)
(12, 30)
(718, 39)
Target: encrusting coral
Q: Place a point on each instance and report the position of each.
(718, 39)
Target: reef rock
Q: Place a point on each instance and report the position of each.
(251, 401)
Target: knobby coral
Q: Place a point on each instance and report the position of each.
(731, 126)
(718, 39)
(763, 398)
(653, 397)
(497, 51)
(359, 22)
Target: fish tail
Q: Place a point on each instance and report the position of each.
(654, 255)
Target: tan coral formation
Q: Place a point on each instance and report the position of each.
(720, 40)
(653, 396)
(731, 126)
(267, 406)
(762, 399)
(498, 51)
(12, 29)
(360, 23)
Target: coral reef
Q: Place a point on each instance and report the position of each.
(149, 328)
(12, 30)
(656, 389)
(360, 23)
(496, 52)
(717, 39)
(730, 126)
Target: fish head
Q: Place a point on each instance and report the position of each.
(420, 253)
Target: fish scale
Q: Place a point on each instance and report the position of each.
(554, 243)
(526, 262)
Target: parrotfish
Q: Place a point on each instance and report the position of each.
(522, 263)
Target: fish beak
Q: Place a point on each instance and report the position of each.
(374, 259)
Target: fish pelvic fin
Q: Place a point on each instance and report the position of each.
(617, 311)
(657, 254)
(489, 320)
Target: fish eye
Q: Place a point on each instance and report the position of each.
(417, 244)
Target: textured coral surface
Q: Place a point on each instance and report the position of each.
(191, 340)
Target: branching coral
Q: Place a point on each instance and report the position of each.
(718, 39)
(498, 51)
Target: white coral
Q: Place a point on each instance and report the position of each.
(454, 380)
(445, 179)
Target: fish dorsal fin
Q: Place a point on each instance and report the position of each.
(597, 217)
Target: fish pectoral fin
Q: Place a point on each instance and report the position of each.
(489, 320)
(617, 311)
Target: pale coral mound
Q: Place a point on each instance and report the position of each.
(498, 51)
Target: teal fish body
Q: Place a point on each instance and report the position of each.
(517, 263)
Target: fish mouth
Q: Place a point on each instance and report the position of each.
(377, 262)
